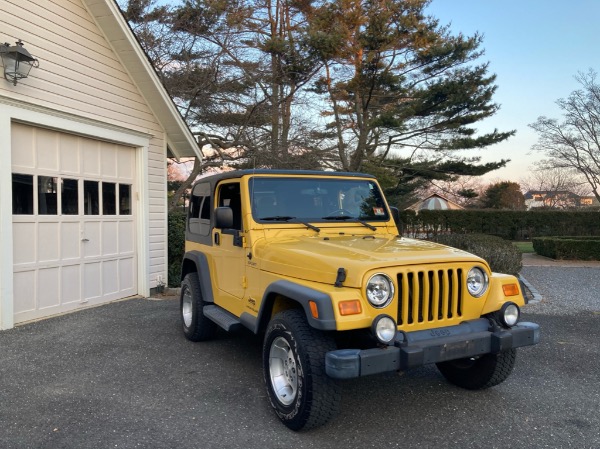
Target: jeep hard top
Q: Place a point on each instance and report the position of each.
(314, 261)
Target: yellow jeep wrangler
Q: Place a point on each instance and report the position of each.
(313, 261)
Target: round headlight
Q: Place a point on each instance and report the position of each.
(477, 282)
(380, 290)
(509, 314)
(384, 328)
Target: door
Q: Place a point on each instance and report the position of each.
(228, 252)
(73, 222)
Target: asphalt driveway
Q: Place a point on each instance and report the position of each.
(123, 376)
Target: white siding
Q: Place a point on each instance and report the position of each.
(80, 74)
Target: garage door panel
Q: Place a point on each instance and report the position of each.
(24, 246)
(126, 237)
(48, 241)
(125, 164)
(46, 143)
(110, 277)
(23, 148)
(92, 281)
(108, 157)
(24, 284)
(48, 288)
(69, 154)
(90, 156)
(70, 241)
(110, 240)
(70, 284)
(127, 275)
(92, 239)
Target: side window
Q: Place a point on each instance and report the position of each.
(199, 210)
(229, 196)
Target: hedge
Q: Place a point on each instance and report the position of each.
(574, 247)
(502, 255)
(176, 243)
(512, 225)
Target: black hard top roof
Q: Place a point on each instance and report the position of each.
(213, 179)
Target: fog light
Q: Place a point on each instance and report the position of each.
(509, 314)
(384, 328)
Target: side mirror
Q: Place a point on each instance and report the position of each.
(223, 218)
(396, 216)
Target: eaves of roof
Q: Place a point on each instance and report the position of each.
(108, 16)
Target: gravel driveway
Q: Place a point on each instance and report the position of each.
(123, 376)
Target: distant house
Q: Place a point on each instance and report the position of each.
(435, 202)
(558, 199)
(83, 144)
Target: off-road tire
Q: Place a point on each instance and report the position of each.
(196, 327)
(317, 396)
(481, 373)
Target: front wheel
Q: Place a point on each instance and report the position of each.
(196, 327)
(300, 391)
(479, 373)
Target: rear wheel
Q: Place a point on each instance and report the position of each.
(479, 373)
(196, 327)
(300, 391)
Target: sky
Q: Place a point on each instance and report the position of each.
(535, 48)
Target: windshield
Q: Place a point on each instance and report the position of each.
(316, 199)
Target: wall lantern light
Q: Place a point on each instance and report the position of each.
(17, 61)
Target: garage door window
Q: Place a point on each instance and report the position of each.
(44, 191)
(70, 196)
(47, 195)
(124, 199)
(22, 194)
(91, 198)
(109, 198)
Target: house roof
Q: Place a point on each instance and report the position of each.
(435, 202)
(111, 22)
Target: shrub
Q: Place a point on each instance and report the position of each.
(513, 225)
(581, 248)
(176, 236)
(502, 255)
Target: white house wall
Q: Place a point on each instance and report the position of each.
(80, 87)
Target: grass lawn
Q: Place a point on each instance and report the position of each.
(524, 247)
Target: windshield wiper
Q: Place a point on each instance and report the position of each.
(349, 217)
(287, 218)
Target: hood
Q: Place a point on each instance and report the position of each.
(317, 258)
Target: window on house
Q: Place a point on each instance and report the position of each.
(22, 194)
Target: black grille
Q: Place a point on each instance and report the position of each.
(429, 296)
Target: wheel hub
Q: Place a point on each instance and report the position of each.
(282, 371)
(186, 308)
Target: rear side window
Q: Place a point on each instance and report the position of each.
(199, 210)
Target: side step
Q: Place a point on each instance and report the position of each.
(222, 317)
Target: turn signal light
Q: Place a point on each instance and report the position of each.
(350, 307)
(510, 289)
(313, 309)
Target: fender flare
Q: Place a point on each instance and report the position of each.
(300, 294)
(199, 260)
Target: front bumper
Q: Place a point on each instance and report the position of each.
(413, 349)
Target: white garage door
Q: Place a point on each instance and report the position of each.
(73, 222)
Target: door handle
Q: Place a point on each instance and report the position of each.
(85, 240)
